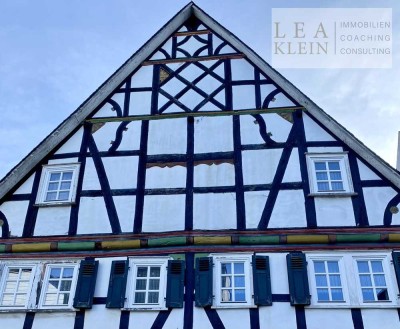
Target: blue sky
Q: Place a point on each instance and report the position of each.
(54, 54)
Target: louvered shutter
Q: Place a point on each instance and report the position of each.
(262, 281)
(298, 279)
(204, 284)
(175, 283)
(396, 264)
(117, 284)
(86, 283)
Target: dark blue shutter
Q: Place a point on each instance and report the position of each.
(175, 283)
(262, 281)
(117, 284)
(86, 283)
(396, 264)
(298, 279)
(204, 281)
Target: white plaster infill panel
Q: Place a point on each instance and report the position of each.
(52, 221)
(73, 144)
(333, 211)
(93, 217)
(279, 315)
(289, 210)
(330, 318)
(255, 203)
(376, 200)
(15, 212)
(59, 320)
(101, 318)
(313, 131)
(232, 317)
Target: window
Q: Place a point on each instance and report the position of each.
(20, 282)
(147, 285)
(58, 184)
(16, 286)
(329, 174)
(345, 279)
(58, 285)
(232, 280)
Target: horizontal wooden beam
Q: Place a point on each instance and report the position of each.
(176, 115)
(200, 239)
(185, 33)
(193, 59)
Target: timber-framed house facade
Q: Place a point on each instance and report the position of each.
(198, 188)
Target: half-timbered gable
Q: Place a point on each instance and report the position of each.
(191, 190)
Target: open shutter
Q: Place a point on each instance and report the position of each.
(396, 264)
(262, 281)
(204, 278)
(175, 283)
(298, 279)
(86, 283)
(117, 284)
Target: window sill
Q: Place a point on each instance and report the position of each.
(332, 195)
(155, 308)
(55, 204)
(347, 306)
(38, 310)
(233, 306)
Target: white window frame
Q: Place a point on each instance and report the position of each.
(218, 259)
(39, 275)
(134, 263)
(6, 267)
(45, 285)
(351, 282)
(47, 170)
(343, 160)
(312, 279)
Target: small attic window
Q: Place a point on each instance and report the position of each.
(329, 174)
(58, 184)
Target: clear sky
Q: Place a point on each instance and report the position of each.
(54, 54)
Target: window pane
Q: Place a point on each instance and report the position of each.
(153, 297)
(55, 273)
(68, 273)
(10, 286)
(376, 266)
(320, 281)
(334, 280)
(7, 299)
(226, 281)
(26, 274)
(226, 295)
(52, 287)
(379, 280)
(323, 294)
(365, 280)
(67, 175)
(368, 295)
(382, 294)
(52, 187)
(51, 196)
(226, 268)
(55, 176)
(319, 267)
(65, 186)
(63, 299)
(13, 274)
(62, 196)
(320, 165)
(337, 186)
(323, 186)
(141, 284)
(155, 272)
(65, 285)
(142, 271)
(333, 266)
(335, 175)
(154, 284)
(20, 299)
(240, 295)
(337, 294)
(239, 268)
(333, 165)
(140, 297)
(362, 266)
(322, 175)
(239, 281)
